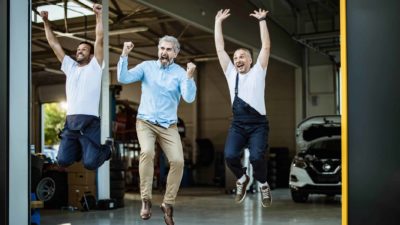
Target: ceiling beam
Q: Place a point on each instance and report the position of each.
(319, 35)
(239, 29)
(114, 31)
(118, 9)
(111, 11)
(79, 38)
(179, 30)
(197, 37)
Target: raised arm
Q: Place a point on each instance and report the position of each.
(124, 75)
(188, 86)
(98, 43)
(223, 57)
(263, 57)
(51, 38)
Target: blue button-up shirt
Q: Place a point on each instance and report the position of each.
(162, 88)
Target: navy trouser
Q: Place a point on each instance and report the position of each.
(80, 140)
(248, 129)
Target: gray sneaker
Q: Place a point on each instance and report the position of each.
(241, 190)
(266, 199)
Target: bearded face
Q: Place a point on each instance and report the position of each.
(83, 54)
(242, 61)
(166, 53)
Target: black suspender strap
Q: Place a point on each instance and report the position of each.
(237, 85)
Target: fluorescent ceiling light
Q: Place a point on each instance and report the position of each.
(128, 30)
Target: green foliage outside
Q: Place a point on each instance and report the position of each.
(54, 119)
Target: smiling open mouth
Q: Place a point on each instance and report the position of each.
(240, 66)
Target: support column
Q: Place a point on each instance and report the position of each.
(371, 71)
(18, 109)
(103, 173)
(4, 133)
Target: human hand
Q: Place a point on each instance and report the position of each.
(260, 14)
(222, 15)
(97, 8)
(128, 46)
(44, 15)
(191, 67)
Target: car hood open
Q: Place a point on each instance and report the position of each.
(316, 127)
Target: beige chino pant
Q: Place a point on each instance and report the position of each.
(170, 143)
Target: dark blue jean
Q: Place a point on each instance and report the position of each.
(255, 137)
(80, 140)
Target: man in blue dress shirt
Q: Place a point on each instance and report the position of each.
(163, 84)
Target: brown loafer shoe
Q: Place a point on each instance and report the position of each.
(168, 211)
(145, 212)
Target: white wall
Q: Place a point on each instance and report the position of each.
(298, 95)
(321, 93)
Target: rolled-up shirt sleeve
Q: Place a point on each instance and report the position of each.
(188, 89)
(126, 76)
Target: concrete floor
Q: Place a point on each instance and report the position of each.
(210, 206)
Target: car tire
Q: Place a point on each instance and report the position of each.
(299, 196)
(52, 189)
(45, 189)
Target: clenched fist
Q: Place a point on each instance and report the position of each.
(191, 67)
(128, 46)
(44, 15)
(97, 9)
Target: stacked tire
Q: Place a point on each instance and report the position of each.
(117, 187)
(117, 177)
(278, 167)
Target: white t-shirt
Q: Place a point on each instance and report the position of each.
(83, 86)
(251, 86)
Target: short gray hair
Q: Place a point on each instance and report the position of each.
(172, 40)
(247, 51)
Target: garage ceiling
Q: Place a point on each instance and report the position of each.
(312, 23)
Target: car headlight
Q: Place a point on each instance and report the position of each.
(299, 162)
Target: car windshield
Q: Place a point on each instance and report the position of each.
(321, 130)
(330, 149)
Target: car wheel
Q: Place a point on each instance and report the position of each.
(45, 189)
(299, 196)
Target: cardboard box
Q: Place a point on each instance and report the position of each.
(76, 167)
(75, 194)
(82, 178)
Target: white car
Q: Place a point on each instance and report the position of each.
(316, 167)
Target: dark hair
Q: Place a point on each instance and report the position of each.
(90, 44)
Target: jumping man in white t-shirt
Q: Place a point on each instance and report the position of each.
(80, 138)
(250, 124)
